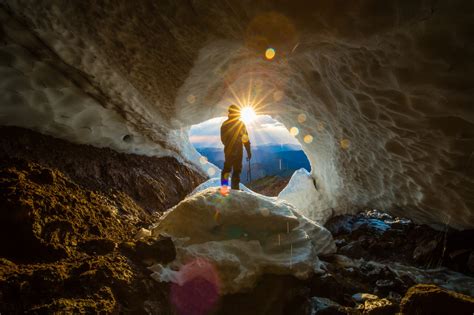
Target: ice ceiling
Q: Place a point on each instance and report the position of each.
(385, 87)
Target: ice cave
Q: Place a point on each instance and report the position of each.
(107, 207)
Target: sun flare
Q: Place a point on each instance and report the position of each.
(248, 114)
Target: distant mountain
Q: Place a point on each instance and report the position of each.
(267, 160)
(269, 185)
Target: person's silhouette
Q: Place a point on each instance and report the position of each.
(234, 136)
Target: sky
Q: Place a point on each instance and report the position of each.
(263, 130)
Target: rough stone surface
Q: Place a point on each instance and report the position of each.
(430, 299)
(68, 232)
(375, 235)
(326, 306)
(273, 295)
(471, 262)
(154, 184)
(387, 269)
(379, 307)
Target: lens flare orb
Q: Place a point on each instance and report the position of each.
(270, 53)
(294, 131)
(308, 139)
(211, 171)
(197, 289)
(301, 118)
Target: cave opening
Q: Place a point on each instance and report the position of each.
(276, 151)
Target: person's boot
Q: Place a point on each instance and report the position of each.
(225, 179)
(235, 184)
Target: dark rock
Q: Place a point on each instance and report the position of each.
(379, 307)
(44, 176)
(425, 250)
(470, 262)
(100, 246)
(430, 299)
(342, 281)
(273, 294)
(156, 250)
(384, 286)
(151, 250)
(327, 286)
(340, 242)
(376, 235)
(354, 250)
(340, 225)
(362, 297)
(324, 306)
(459, 246)
(371, 222)
(394, 297)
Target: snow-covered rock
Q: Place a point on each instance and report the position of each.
(216, 182)
(242, 236)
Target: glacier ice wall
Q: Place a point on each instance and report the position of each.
(380, 90)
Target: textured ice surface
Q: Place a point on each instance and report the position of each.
(41, 93)
(383, 106)
(302, 192)
(244, 236)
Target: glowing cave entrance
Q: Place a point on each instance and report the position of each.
(276, 153)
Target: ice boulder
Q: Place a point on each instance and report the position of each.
(232, 240)
(302, 192)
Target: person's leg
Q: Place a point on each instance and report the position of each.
(225, 174)
(237, 169)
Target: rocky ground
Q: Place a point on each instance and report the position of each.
(382, 260)
(69, 215)
(380, 267)
(70, 221)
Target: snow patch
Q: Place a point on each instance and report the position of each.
(244, 236)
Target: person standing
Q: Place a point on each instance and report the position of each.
(234, 137)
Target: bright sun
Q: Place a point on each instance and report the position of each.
(247, 114)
